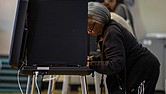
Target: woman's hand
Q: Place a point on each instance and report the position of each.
(90, 61)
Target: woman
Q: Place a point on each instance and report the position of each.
(129, 67)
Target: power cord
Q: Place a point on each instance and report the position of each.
(18, 79)
(36, 75)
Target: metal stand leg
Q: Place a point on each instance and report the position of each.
(65, 87)
(51, 85)
(97, 80)
(28, 84)
(31, 78)
(105, 85)
(33, 84)
(83, 84)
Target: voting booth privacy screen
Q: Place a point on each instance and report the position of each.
(56, 33)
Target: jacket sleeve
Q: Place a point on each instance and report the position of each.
(113, 51)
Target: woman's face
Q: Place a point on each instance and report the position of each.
(94, 27)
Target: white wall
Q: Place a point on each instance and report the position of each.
(149, 17)
(153, 13)
(7, 13)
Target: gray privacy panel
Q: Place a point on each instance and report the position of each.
(19, 35)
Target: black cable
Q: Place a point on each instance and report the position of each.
(102, 84)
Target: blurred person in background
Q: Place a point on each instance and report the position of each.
(119, 7)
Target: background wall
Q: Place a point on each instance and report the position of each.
(149, 17)
(7, 13)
